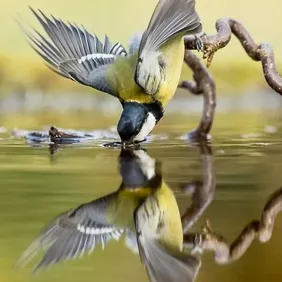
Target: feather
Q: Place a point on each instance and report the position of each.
(73, 52)
(72, 234)
(164, 266)
(170, 18)
(134, 43)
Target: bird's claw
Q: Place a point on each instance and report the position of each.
(209, 52)
(199, 43)
(198, 245)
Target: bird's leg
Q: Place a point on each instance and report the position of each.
(204, 84)
(193, 242)
(262, 52)
(198, 242)
(199, 43)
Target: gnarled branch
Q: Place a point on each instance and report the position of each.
(204, 84)
(262, 52)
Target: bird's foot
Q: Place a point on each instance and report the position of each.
(199, 43)
(207, 234)
(209, 51)
(197, 245)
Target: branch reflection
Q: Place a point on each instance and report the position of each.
(225, 253)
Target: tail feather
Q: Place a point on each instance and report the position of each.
(164, 266)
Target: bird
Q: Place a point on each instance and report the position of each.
(143, 78)
(143, 209)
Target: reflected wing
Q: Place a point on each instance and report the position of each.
(74, 53)
(170, 18)
(73, 234)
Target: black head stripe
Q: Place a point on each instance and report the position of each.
(156, 109)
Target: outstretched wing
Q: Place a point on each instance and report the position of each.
(171, 17)
(73, 233)
(74, 53)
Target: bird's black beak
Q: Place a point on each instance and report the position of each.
(133, 116)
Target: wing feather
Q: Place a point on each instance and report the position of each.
(170, 18)
(72, 234)
(73, 52)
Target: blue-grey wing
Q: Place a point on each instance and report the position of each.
(74, 53)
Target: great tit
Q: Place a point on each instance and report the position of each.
(144, 209)
(144, 78)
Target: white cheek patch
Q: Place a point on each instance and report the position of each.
(147, 164)
(147, 127)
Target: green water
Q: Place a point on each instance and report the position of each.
(36, 187)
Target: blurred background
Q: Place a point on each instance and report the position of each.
(32, 96)
(246, 138)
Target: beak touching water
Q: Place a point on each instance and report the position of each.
(137, 121)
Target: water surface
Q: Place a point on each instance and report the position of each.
(37, 186)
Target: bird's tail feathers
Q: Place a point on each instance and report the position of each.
(165, 266)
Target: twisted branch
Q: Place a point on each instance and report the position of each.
(204, 84)
(262, 52)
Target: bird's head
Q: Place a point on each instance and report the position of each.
(138, 120)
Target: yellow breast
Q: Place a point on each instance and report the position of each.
(172, 235)
(174, 54)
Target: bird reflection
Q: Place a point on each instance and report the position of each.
(143, 209)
